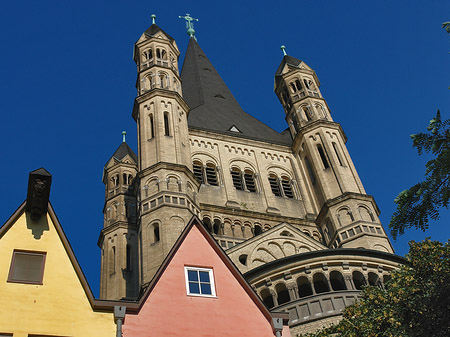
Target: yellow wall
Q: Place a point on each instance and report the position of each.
(57, 307)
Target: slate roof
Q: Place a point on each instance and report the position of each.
(213, 106)
(153, 29)
(122, 151)
(290, 61)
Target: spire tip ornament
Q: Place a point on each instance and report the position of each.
(283, 48)
(124, 133)
(153, 16)
(189, 24)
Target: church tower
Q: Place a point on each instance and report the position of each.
(167, 186)
(118, 239)
(347, 216)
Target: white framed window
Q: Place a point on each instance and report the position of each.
(199, 282)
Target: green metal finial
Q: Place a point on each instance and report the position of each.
(124, 133)
(283, 49)
(189, 24)
(153, 16)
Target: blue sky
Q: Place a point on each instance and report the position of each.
(67, 88)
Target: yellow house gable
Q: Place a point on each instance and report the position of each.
(61, 304)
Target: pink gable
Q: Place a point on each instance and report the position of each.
(169, 311)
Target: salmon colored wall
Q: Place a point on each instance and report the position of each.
(59, 306)
(169, 311)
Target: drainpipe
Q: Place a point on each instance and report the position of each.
(119, 315)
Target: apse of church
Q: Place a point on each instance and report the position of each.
(265, 196)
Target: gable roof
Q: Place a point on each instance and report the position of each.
(195, 222)
(95, 304)
(290, 61)
(121, 153)
(154, 28)
(213, 106)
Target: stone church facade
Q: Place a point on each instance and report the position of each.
(288, 208)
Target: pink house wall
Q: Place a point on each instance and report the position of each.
(169, 311)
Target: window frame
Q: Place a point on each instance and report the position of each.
(13, 263)
(211, 281)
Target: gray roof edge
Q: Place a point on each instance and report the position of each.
(240, 135)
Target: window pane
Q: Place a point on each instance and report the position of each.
(194, 288)
(27, 267)
(192, 276)
(206, 288)
(204, 276)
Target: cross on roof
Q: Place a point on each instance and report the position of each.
(189, 24)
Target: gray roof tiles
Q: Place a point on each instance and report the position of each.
(213, 106)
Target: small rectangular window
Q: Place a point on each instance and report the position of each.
(199, 282)
(27, 267)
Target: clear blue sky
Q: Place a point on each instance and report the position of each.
(67, 88)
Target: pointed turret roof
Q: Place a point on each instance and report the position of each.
(287, 60)
(154, 28)
(213, 106)
(121, 152)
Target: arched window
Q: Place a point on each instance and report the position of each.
(274, 185)
(112, 260)
(337, 153)
(211, 174)
(267, 298)
(307, 83)
(323, 156)
(115, 180)
(156, 234)
(282, 293)
(286, 183)
(161, 57)
(249, 178)
(166, 124)
(358, 280)
(198, 171)
(217, 227)
(148, 55)
(243, 259)
(320, 283)
(373, 279)
(304, 287)
(258, 230)
(207, 224)
(237, 178)
(311, 174)
(295, 122)
(307, 112)
(126, 179)
(152, 127)
(337, 281)
(292, 85)
(298, 85)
